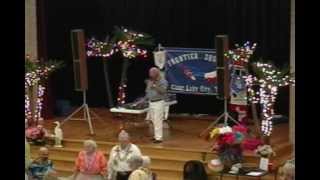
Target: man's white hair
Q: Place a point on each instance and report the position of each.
(91, 143)
(43, 149)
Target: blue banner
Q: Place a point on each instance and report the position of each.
(191, 71)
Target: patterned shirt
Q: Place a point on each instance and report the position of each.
(93, 164)
(118, 160)
(158, 92)
(39, 169)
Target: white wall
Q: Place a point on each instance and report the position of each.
(292, 70)
(31, 29)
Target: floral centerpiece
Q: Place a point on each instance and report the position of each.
(228, 143)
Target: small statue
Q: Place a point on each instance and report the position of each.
(58, 135)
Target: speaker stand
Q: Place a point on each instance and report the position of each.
(225, 116)
(86, 114)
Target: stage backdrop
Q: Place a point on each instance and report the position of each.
(192, 23)
(191, 71)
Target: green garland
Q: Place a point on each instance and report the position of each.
(130, 43)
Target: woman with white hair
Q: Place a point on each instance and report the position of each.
(141, 172)
(90, 163)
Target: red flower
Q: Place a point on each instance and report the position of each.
(240, 128)
(229, 138)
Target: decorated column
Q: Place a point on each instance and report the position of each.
(31, 50)
(35, 74)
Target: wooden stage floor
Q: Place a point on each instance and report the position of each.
(183, 132)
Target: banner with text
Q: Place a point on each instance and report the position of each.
(191, 71)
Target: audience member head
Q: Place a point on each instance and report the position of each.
(194, 170)
(146, 161)
(124, 139)
(40, 127)
(90, 146)
(135, 162)
(43, 153)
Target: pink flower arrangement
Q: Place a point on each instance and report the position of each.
(228, 143)
(240, 128)
(36, 133)
(229, 138)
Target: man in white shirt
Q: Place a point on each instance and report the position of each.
(118, 165)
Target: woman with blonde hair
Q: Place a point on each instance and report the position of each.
(140, 171)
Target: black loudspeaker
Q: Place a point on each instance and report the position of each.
(79, 60)
(222, 46)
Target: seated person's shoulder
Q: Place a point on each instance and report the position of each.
(115, 147)
(137, 172)
(135, 147)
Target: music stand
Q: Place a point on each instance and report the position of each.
(225, 116)
(86, 114)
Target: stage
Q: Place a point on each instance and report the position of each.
(181, 144)
(183, 132)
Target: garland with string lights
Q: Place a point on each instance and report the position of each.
(35, 74)
(241, 54)
(263, 88)
(129, 43)
(121, 94)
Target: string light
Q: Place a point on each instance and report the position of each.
(27, 109)
(127, 47)
(33, 78)
(266, 92)
(121, 94)
(241, 54)
(262, 89)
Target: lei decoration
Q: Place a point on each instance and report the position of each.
(125, 157)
